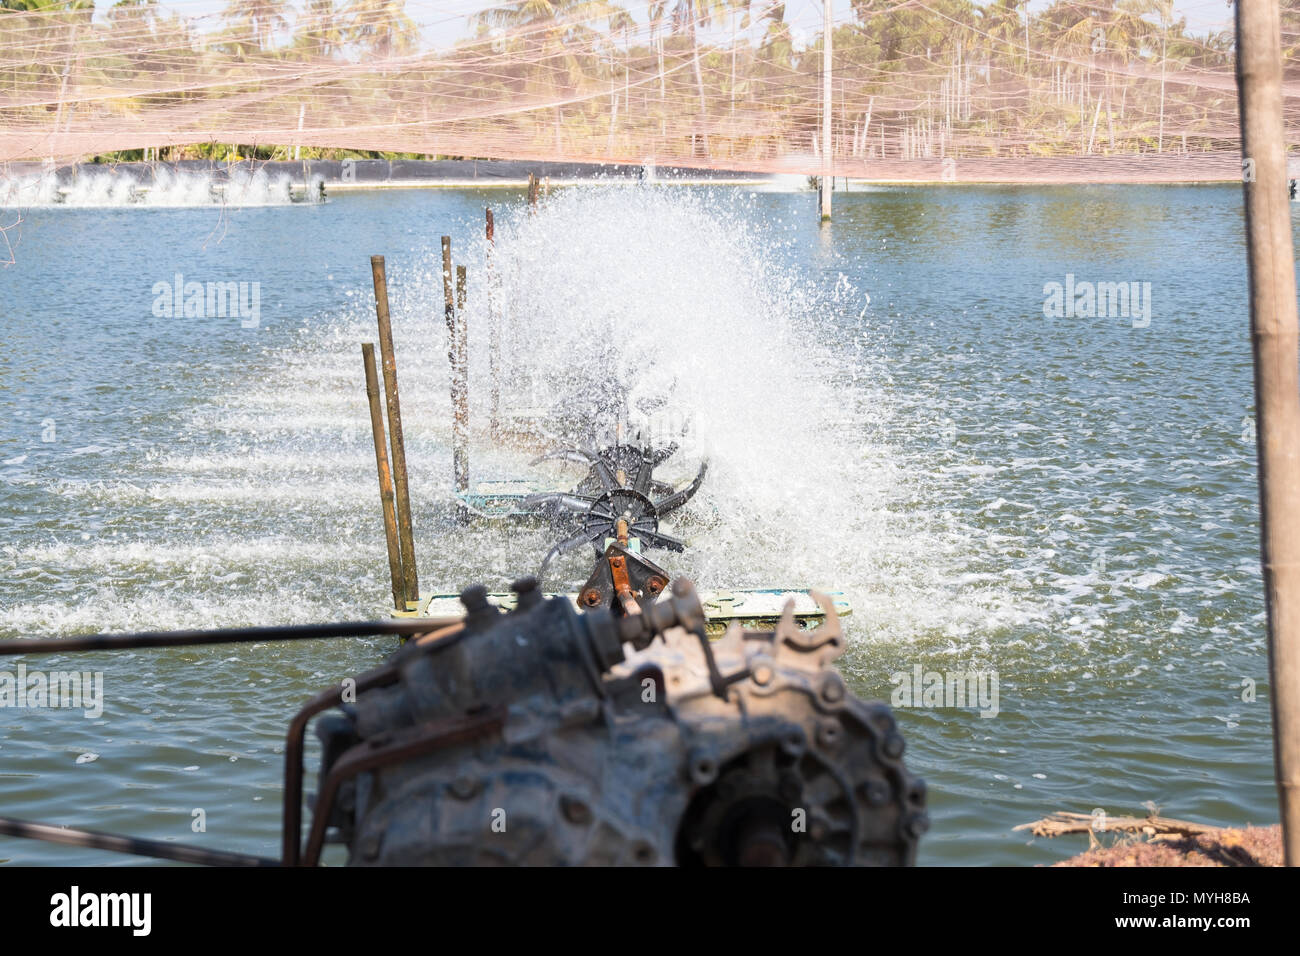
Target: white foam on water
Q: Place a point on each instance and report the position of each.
(165, 188)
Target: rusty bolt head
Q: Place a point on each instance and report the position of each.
(833, 688)
(655, 585)
(591, 597)
(575, 811)
(464, 787)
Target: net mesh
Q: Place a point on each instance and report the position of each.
(1116, 90)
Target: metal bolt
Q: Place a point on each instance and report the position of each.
(464, 787)
(575, 811)
(833, 688)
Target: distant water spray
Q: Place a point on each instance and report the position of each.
(157, 187)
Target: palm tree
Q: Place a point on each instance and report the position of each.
(321, 28)
(379, 27)
(550, 31)
(688, 15)
(258, 19)
(739, 21)
(1164, 11)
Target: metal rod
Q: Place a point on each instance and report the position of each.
(69, 836)
(403, 627)
(385, 479)
(291, 810)
(1276, 342)
(412, 584)
(494, 331)
(404, 744)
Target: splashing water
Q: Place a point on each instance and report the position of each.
(692, 297)
(689, 298)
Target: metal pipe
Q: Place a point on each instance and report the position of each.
(407, 540)
(403, 627)
(291, 810)
(136, 846)
(385, 480)
(1276, 343)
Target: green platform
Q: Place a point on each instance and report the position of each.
(755, 609)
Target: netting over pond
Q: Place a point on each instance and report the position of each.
(1113, 90)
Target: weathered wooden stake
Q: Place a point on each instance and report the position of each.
(1276, 341)
(460, 417)
(460, 372)
(532, 192)
(412, 588)
(494, 331)
(385, 479)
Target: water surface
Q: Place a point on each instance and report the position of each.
(1069, 503)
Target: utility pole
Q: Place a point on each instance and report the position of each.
(1276, 343)
(828, 182)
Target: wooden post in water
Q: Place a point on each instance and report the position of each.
(828, 152)
(494, 331)
(459, 398)
(412, 584)
(532, 192)
(461, 372)
(1276, 342)
(385, 479)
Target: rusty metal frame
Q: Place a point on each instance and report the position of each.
(388, 749)
(293, 773)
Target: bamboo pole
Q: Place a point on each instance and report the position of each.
(828, 148)
(494, 330)
(385, 479)
(412, 584)
(1271, 262)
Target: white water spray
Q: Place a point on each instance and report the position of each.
(160, 188)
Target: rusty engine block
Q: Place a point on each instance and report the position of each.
(545, 736)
